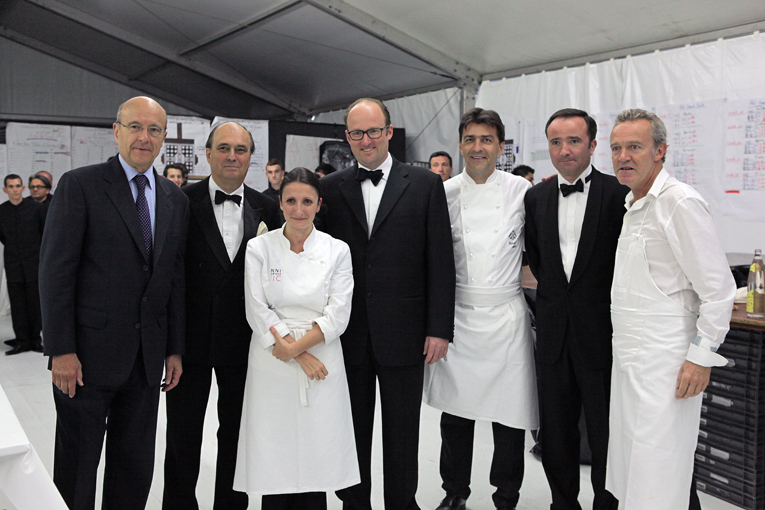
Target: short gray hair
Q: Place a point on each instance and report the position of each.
(658, 129)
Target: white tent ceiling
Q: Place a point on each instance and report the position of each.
(293, 58)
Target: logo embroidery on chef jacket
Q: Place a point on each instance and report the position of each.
(513, 237)
(276, 275)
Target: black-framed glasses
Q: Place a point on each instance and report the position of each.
(374, 133)
(135, 128)
(36, 187)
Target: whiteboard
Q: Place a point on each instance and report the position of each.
(36, 147)
(303, 151)
(185, 143)
(256, 175)
(3, 160)
(92, 145)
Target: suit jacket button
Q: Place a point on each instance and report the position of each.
(369, 266)
(201, 264)
(137, 325)
(144, 299)
(369, 294)
(145, 268)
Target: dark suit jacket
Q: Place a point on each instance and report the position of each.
(584, 302)
(404, 275)
(99, 296)
(217, 332)
(21, 230)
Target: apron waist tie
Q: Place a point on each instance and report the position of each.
(486, 296)
(298, 328)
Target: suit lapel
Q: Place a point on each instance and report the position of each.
(394, 188)
(552, 234)
(202, 209)
(589, 225)
(351, 190)
(252, 219)
(119, 193)
(163, 211)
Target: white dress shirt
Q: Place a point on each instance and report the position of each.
(570, 218)
(685, 258)
(230, 218)
(373, 194)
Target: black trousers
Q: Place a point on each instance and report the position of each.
(186, 406)
(128, 416)
(506, 472)
(300, 501)
(565, 389)
(25, 311)
(400, 400)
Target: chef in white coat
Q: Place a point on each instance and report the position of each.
(488, 373)
(296, 439)
(671, 303)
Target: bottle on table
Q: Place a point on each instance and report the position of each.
(755, 287)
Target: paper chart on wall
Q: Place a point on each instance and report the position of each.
(744, 172)
(92, 145)
(185, 143)
(533, 149)
(601, 157)
(256, 175)
(36, 147)
(303, 151)
(3, 160)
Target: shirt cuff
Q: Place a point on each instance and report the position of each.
(704, 357)
(268, 339)
(327, 329)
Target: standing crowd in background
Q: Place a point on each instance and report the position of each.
(308, 299)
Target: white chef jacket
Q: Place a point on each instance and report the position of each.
(488, 373)
(296, 434)
(685, 259)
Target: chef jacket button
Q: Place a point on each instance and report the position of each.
(137, 325)
(496, 206)
(369, 294)
(496, 230)
(467, 230)
(471, 254)
(466, 207)
(472, 279)
(492, 256)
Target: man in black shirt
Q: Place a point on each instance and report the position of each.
(275, 174)
(21, 228)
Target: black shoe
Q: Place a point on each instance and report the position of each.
(37, 347)
(452, 503)
(22, 347)
(12, 343)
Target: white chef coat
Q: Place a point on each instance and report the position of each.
(296, 434)
(488, 373)
(653, 435)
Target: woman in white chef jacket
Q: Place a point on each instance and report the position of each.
(296, 439)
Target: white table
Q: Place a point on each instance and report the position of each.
(23, 478)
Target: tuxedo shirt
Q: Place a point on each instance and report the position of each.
(570, 220)
(229, 217)
(373, 194)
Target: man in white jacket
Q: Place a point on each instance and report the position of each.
(488, 373)
(671, 303)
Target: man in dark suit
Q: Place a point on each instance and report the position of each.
(572, 227)
(225, 215)
(394, 218)
(111, 289)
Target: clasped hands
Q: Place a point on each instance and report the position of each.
(284, 351)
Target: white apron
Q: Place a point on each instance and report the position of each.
(488, 373)
(652, 435)
(296, 435)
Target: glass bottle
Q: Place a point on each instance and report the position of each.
(755, 287)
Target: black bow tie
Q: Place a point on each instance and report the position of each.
(221, 197)
(567, 189)
(372, 175)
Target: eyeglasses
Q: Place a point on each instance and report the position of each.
(36, 187)
(374, 133)
(135, 128)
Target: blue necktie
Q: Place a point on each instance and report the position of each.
(143, 213)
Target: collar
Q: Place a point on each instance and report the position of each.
(385, 167)
(656, 187)
(584, 177)
(131, 172)
(468, 181)
(214, 187)
(307, 245)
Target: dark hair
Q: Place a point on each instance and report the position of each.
(208, 143)
(326, 168)
(11, 177)
(44, 180)
(275, 161)
(481, 116)
(177, 166)
(567, 113)
(301, 174)
(522, 170)
(439, 154)
(379, 103)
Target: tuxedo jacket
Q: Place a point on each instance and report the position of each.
(100, 296)
(403, 272)
(217, 332)
(584, 302)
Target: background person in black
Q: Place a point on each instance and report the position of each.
(21, 228)
(39, 190)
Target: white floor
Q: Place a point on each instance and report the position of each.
(26, 381)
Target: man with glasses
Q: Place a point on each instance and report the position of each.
(112, 296)
(39, 190)
(395, 220)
